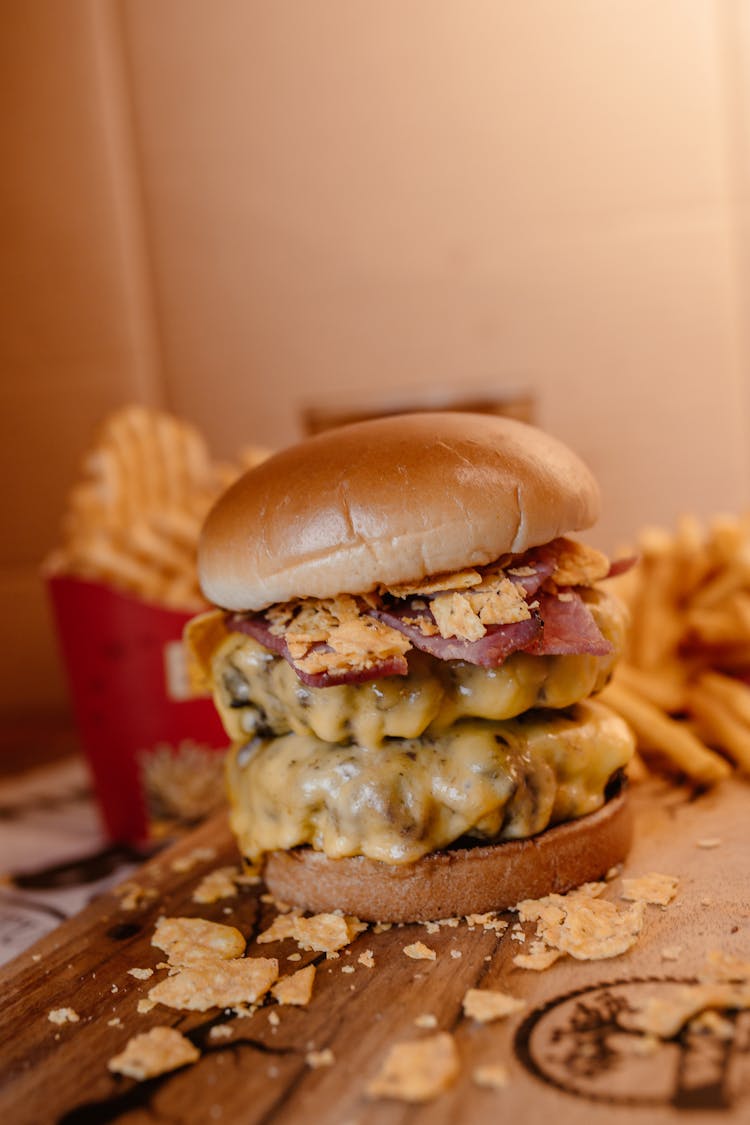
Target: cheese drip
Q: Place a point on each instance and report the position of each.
(406, 798)
(256, 690)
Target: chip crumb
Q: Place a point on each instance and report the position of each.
(613, 872)
(317, 1059)
(725, 967)
(154, 1052)
(658, 890)
(431, 927)
(63, 1015)
(671, 953)
(36, 956)
(417, 1071)
(273, 1018)
(141, 974)
(709, 842)
(114, 988)
(295, 989)
(323, 933)
(418, 951)
(486, 1005)
(188, 941)
(492, 1076)
(217, 884)
(456, 953)
(145, 1005)
(221, 1031)
(114, 1022)
(582, 924)
(347, 968)
(132, 895)
(381, 927)
(426, 1020)
(367, 959)
(538, 958)
(711, 1022)
(217, 984)
(192, 858)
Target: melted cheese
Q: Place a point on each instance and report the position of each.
(406, 798)
(256, 690)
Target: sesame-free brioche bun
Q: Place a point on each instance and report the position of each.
(390, 501)
(458, 880)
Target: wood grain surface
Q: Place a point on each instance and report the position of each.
(561, 1052)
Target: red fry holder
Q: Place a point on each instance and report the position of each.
(125, 667)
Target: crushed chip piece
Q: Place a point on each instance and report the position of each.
(295, 989)
(317, 1059)
(418, 951)
(114, 1022)
(713, 1023)
(217, 884)
(132, 895)
(145, 1005)
(141, 974)
(192, 859)
(492, 1076)
(724, 967)
(417, 1071)
(665, 1017)
(367, 959)
(486, 1005)
(324, 933)
(426, 1020)
(671, 953)
(538, 958)
(456, 953)
(583, 925)
(63, 1015)
(217, 984)
(658, 890)
(188, 941)
(221, 1031)
(709, 842)
(154, 1052)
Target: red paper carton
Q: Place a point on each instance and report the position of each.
(150, 746)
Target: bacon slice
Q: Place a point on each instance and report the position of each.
(489, 651)
(257, 627)
(569, 627)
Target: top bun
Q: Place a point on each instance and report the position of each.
(389, 501)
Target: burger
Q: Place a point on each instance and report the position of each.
(405, 655)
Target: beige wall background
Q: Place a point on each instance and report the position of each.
(232, 208)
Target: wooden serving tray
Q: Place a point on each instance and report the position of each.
(566, 1061)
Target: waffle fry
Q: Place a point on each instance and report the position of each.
(134, 518)
(684, 681)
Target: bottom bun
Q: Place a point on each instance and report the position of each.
(460, 880)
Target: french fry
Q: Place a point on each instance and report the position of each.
(657, 732)
(727, 693)
(690, 643)
(663, 687)
(720, 726)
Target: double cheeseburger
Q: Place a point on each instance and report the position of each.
(405, 658)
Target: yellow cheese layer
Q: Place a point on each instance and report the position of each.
(255, 690)
(408, 797)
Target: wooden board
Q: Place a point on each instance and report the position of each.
(562, 1058)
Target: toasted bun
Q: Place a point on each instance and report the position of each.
(457, 881)
(390, 501)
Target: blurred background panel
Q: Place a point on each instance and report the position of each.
(229, 209)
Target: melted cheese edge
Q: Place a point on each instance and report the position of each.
(403, 799)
